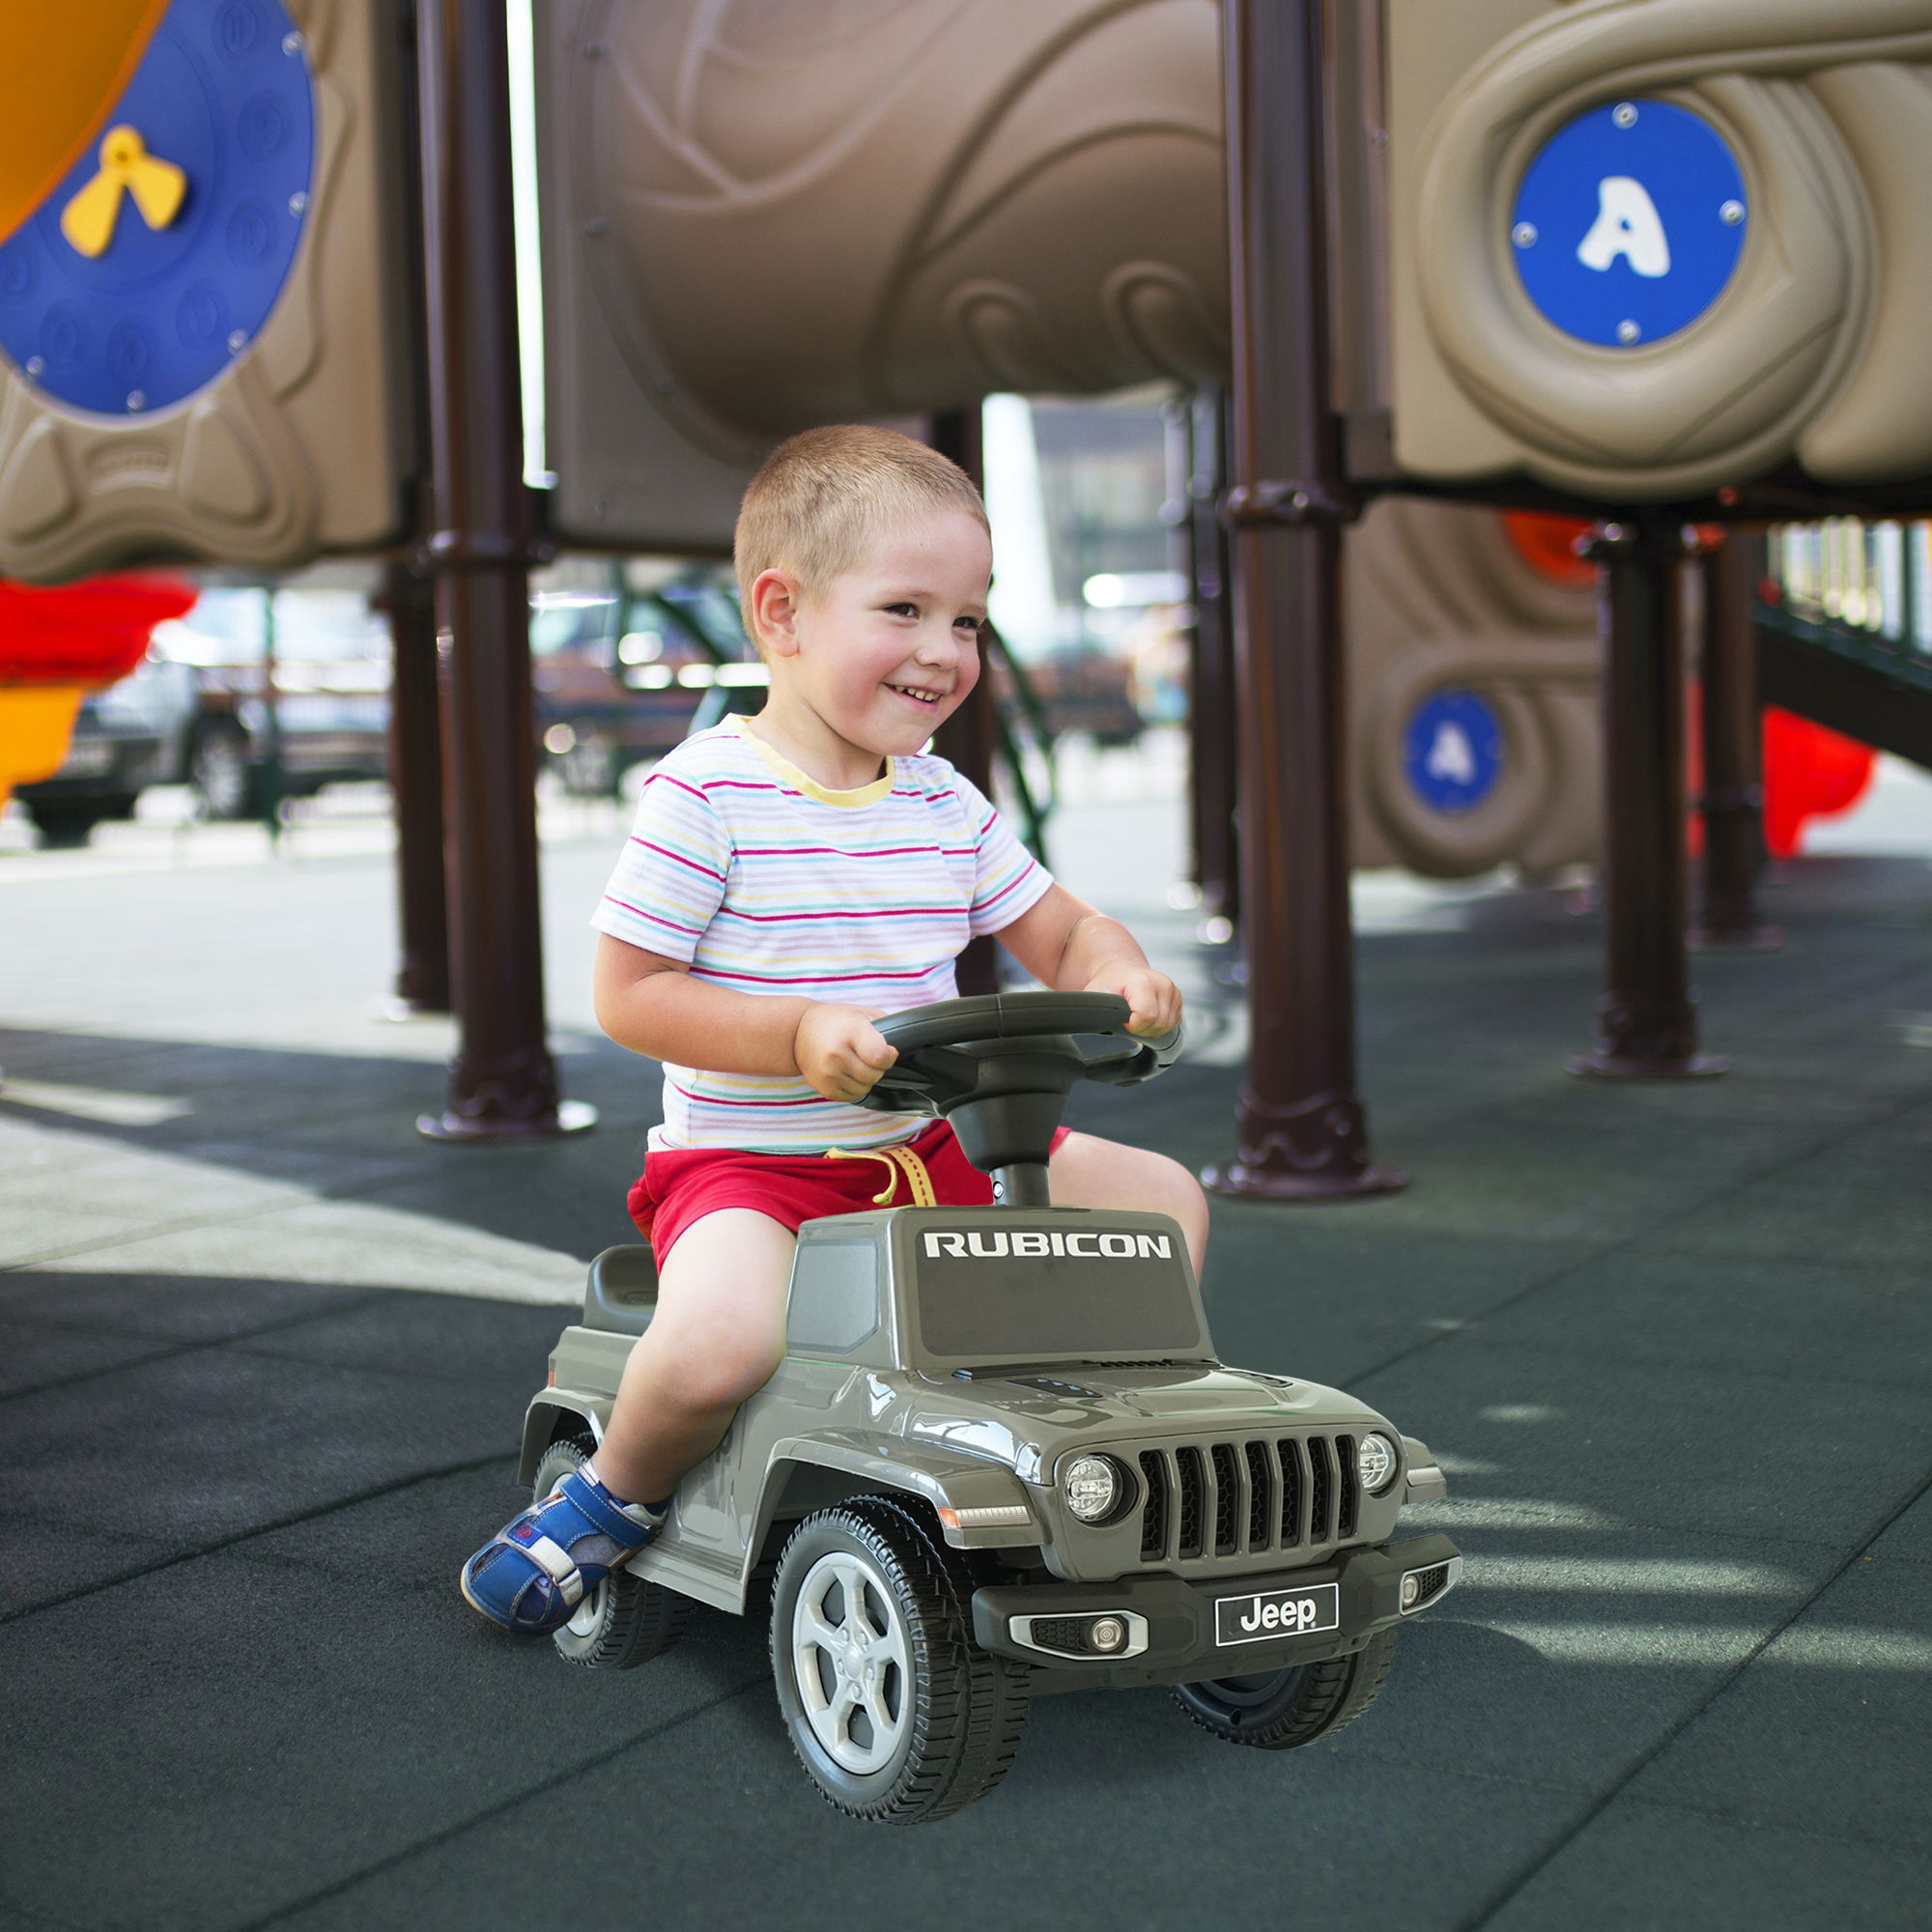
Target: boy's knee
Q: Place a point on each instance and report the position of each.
(721, 1378)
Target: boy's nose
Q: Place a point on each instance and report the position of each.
(940, 648)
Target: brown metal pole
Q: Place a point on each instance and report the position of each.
(415, 785)
(1302, 1132)
(502, 1083)
(1733, 800)
(1212, 751)
(1647, 1018)
(968, 739)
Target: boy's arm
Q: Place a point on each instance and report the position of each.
(1065, 944)
(652, 1004)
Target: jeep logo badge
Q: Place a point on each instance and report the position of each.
(1277, 1613)
(1024, 1242)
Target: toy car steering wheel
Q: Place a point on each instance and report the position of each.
(999, 1068)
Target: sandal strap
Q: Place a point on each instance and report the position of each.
(554, 1562)
(599, 1509)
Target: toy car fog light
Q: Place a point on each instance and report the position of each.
(1376, 1461)
(1106, 1633)
(1095, 1487)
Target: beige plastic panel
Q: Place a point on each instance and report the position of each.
(301, 447)
(1810, 353)
(765, 214)
(1439, 599)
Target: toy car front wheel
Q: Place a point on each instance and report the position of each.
(1282, 1709)
(899, 1716)
(624, 1621)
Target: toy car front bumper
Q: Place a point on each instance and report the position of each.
(1186, 1630)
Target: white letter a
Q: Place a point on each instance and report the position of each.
(1627, 224)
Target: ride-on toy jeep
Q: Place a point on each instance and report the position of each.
(1001, 1458)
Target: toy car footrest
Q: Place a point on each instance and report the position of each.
(622, 1292)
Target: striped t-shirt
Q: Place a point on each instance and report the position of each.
(768, 883)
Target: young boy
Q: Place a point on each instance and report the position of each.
(792, 877)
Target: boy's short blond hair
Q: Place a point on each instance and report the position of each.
(822, 497)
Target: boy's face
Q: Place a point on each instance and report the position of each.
(888, 651)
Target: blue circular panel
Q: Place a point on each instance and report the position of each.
(223, 95)
(1452, 751)
(1629, 223)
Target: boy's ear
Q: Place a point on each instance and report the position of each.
(773, 613)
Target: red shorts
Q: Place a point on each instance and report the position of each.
(680, 1185)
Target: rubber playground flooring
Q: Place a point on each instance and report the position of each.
(1672, 1342)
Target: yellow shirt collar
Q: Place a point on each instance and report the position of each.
(848, 801)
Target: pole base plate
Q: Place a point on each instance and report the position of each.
(1239, 1182)
(1598, 1065)
(572, 1117)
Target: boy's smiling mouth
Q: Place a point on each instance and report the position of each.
(919, 694)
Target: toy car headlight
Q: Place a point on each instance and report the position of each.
(1097, 1488)
(1376, 1461)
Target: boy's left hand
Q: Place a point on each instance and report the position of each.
(1153, 999)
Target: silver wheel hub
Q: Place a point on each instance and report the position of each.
(850, 1663)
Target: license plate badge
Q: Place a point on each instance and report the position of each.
(1271, 1614)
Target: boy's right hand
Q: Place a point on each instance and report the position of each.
(839, 1052)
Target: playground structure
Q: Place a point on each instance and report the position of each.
(57, 644)
(1454, 261)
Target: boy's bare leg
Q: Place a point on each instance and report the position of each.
(1088, 1172)
(717, 1337)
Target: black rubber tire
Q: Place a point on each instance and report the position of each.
(64, 824)
(220, 773)
(1283, 1709)
(965, 1708)
(624, 1621)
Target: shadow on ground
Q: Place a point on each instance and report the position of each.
(1671, 1342)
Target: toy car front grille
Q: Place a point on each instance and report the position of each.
(1237, 1498)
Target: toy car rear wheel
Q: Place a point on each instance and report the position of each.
(1283, 1709)
(893, 1710)
(624, 1621)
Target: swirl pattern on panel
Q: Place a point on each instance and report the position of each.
(1814, 346)
(1441, 604)
(803, 209)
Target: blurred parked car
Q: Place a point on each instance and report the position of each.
(620, 672)
(133, 734)
(325, 708)
(1082, 689)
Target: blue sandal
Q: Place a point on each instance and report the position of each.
(531, 1576)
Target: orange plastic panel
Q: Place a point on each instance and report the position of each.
(60, 72)
(36, 723)
(1549, 546)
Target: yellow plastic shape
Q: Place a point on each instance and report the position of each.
(59, 76)
(36, 723)
(127, 167)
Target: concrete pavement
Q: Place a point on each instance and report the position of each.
(263, 1355)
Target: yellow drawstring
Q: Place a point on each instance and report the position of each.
(897, 1160)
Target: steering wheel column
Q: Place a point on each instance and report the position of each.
(1006, 1107)
(999, 1069)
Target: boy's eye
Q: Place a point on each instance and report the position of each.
(903, 610)
(968, 624)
